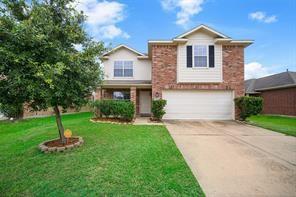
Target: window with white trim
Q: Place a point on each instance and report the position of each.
(123, 68)
(200, 56)
(121, 95)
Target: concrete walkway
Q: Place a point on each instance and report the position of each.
(234, 159)
(145, 121)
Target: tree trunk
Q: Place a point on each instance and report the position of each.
(59, 124)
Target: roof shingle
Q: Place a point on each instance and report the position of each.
(279, 80)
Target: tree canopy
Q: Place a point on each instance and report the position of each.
(39, 64)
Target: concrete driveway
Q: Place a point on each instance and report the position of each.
(234, 159)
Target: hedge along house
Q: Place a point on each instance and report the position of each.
(278, 92)
(199, 73)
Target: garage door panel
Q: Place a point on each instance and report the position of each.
(196, 104)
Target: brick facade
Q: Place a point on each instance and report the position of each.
(164, 71)
(98, 94)
(280, 101)
(133, 95)
(138, 101)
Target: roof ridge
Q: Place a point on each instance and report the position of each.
(271, 75)
(202, 26)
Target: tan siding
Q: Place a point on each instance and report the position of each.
(201, 75)
(142, 68)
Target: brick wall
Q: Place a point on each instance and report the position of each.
(164, 71)
(133, 95)
(138, 101)
(280, 101)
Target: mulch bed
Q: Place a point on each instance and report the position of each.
(155, 120)
(58, 143)
(110, 120)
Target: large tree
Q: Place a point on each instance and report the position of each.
(39, 64)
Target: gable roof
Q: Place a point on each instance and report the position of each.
(202, 26)
(124, 46)
(277, 81)
(219, 39)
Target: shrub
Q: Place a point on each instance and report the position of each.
(158, 108)
(121, 109)
(249, 105)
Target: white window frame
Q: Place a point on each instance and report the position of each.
(122, 92)
(123, 68)
(193, 60)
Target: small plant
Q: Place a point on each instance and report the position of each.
(249, 105)
(158, 108)
(121, 109)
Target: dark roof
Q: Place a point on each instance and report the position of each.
(127, 82)
(249, 86)
(280, 80)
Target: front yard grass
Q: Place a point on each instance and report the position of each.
(281, 124)
(120, 160)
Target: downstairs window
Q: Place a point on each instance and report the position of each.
(121, 95)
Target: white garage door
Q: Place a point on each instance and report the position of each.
(199, 104)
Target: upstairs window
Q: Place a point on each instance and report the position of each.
(123, 69)
(200, 56)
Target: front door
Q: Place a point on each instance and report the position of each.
(145, 102)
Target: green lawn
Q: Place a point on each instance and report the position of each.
(123, 160)
(286, 125)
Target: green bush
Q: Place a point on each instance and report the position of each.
(249, 105)
(12, 110)
(158, 108)
(121, 109)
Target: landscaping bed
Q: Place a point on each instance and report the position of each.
(111, 120)
(57, 142)
(57, 146)
(114, 111)
(116, 160)
(155, 120)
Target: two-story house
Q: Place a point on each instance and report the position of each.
(199, 73)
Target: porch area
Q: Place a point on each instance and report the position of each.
(140, 94)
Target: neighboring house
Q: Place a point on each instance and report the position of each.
(199, 73)
(278, 92)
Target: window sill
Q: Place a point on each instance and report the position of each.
(199, 68)
(123, 77)
(200, 82)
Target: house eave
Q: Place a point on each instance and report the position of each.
(252, 93)
(143, 57)
(114, 86)
(229, 41)
(106, 55)
(276, 87)
(160, 42)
